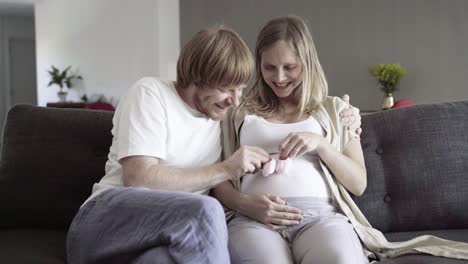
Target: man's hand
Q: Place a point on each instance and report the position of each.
(350, 117)
(247, 159)
(270, 210)
(297, 144)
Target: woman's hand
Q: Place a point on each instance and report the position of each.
(298, 143)
(270, 210)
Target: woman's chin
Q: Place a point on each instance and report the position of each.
(282, 93)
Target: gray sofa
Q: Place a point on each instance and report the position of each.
(416, 157)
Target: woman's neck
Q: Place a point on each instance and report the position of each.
(287, 113)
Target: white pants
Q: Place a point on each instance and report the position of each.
(324, 236)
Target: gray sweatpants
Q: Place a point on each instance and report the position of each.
(139, 226)
(323, 236)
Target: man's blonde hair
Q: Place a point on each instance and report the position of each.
(314, 88)
(216, 57)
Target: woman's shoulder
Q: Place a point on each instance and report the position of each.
(237, 114)
(234, 117)
(333, 104)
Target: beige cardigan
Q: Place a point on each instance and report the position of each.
(374, 241)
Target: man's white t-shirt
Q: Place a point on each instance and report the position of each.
(153, 120)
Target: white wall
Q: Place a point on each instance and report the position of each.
(110, 43)
(168, 38)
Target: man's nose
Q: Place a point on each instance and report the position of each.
(234, 99)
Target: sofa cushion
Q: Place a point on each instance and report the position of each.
(28, 246)
(417, 164)
(50, 160)
(421, 259)
(456, 234)
(451, 234)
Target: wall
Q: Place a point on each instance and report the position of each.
(110, 43)
(12, 25)
(428, 37)
(3, 92)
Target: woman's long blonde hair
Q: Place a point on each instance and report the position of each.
(261, 100)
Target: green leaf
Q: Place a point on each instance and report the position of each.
(388, 75)
(61, 77)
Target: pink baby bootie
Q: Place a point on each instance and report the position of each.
(278, 166)
(269, 168)
(282, 165)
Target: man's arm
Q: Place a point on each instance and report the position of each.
(350, 117)
(144, 171)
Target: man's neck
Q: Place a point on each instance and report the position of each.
(187, 94)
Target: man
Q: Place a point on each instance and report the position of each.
(165, 152)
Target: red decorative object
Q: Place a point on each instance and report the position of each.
(101, 106)
(403, 103)
(93, 106)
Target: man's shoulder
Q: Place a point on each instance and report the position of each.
(154, 83)
(153, 87)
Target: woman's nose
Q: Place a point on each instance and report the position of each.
(280, 76)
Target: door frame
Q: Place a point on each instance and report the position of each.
(3, 64)
(9, 89)
(8, 33)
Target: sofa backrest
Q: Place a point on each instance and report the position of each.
(417, 167)
(50, 159)
(416, 159)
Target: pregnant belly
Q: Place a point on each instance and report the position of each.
(303, 177)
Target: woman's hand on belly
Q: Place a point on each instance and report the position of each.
(270, 210)
(297, 144)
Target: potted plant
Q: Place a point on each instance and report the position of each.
(388, 77)
(62, 78)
